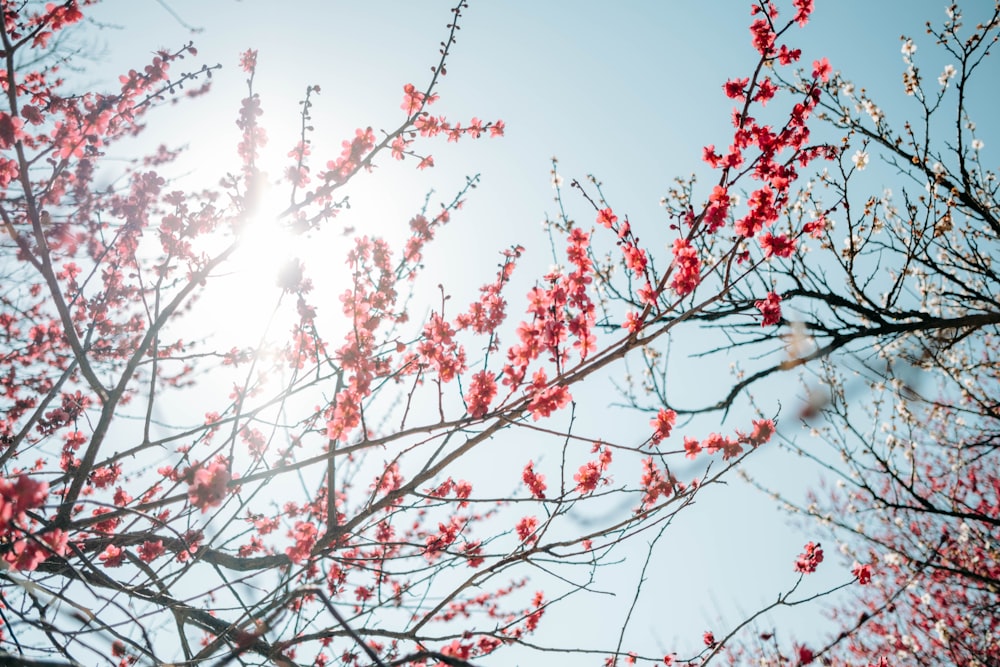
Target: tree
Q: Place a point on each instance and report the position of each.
(896, 322)
(331, 503)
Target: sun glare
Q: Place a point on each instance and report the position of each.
(246, 304)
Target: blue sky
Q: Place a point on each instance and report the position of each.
(627, 91)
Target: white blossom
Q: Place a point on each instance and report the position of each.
(941, 628)
(872, 110)
(949, 72)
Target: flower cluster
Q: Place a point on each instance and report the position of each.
(656, 482)
(769, 154)
(662, 424)
(534, 481)
(208, 485)
(593, 472)
(809, 559)
(561, 310)
(17, 497)
(686, 267)
(730, 447)
(423, 123)
(770, 308)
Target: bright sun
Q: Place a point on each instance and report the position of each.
(244, 304)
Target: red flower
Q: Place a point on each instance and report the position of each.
(805, 8)
(106, 476)
(481, 393)
(475, 128)
(763, 211)
(526, 528)
(815, 228)
(208, 487)
(765, 91)
(28, 494)
(822, 70)
(112, 556)
(606, 217)
(863, 573)
(248, 60)
(687, 267)
(535, 482)
(692, 447)
(305, 536)
(808, 560)
(399, 146)
(663, 422)
(787, 56)
(25, 555)
(709, 155)
(718, 208)
(413, 99)
(763, 36)
(653, 483)
(763, 429)
(780, 245)
(736, 88)
(548, 400)
(587, 477)
(149, 551)
(770, 308)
